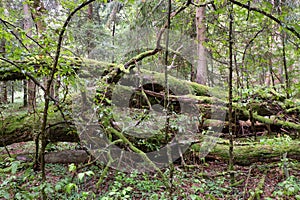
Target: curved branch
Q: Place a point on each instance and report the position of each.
(248, 44)
(267, 15)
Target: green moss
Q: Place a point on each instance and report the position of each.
(245, 154)
(23, 121)
(180, 86)
(199, 90)
(14, 123)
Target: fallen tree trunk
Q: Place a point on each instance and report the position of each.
(54, 134)
(15, 129)
(244, 155)
(63, 157)
(66, 157)
(248, 153)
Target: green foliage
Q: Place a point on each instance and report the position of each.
(283, 141)
(212, 188)
(288, 188)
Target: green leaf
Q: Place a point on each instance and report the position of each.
(57, 187)
(5, 194)
(81, 176)
(90, 173)
(14, 167)
(72, 167)
(70, 186)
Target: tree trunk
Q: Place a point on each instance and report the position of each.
(31, 89)
(231, 132)
(286, 73)
(4, 98)
(201, 75)
(56, 133)
(90, 44)
(25, 96)
(12, 86)
(3, 85)
(246, 154)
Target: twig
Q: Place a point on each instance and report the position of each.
(247, 180)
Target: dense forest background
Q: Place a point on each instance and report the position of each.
(161, 99)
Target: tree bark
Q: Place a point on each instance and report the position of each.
(230, 76)
(201, 75)
(31, 89)
(25, 96)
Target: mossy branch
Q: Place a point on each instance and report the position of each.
(142, 154)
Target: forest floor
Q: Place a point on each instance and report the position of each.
(200, 180)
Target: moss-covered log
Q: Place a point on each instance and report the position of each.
(59, 133)
(25, 127)
(17, 70)
(267, 150)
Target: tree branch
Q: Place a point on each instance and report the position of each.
(165, 26)
(267, 15)
(6, 23)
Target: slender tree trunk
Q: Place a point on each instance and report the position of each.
(286, 73)
(201, 75)
(56, 88)
(238, 80)
(3, 85)
(12, 92)
(31, 95)
(25, 96)
(39, 8)
(272, 74)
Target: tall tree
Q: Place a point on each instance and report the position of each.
(30, 93)
(201, 75)
(90, 14)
